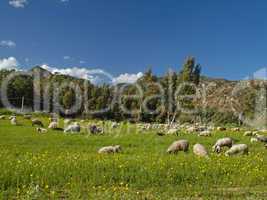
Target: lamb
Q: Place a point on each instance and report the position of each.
(200, 150)
(228, 142)
(205, 133)
(110, 149)
(41, 130)
(248, 133)
(237, 149)
(261, 138)
(74, 128)
(13, 121)
(180, 145)
(53, 125)
(37, 122)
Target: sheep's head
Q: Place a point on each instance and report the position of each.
(216, 149)
(117, 148)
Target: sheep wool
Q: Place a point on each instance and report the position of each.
(200, 150)
(110, 149)
(180, 145)
(237, 149)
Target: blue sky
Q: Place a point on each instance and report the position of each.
(228, 38)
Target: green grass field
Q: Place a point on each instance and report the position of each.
(59, 166)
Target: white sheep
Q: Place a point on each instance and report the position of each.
(73, 128)
(228, 142)
(114, 125)
(236, 129)
(237, 149)
(200, 150)
(53, 125)
(248, 133)
(13, 121)
(11, 117)
(110, 149)
(41, 130)
(252, 140)
(205, 133)
(180, 145)
(261, 138)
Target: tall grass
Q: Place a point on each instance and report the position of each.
(58, 166)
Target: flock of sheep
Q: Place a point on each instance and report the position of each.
(163, 129)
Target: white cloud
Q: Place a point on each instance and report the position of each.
(127, 78)
(66, 57)
(95, 76)
(82, 62)
(18, 3)
(7, 43)
(8, 63)
(27, 60)
(64, 1)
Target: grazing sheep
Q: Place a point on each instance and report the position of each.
(236, 129)
(228, 142)
(252, 140)
(93, 129)
(261, 138)
(254, 133)
(53, 125)
(13, 121)
(180, 145)
(110, 149)
(221, 129)
(200, 150)
(41, 130)
(2, 117)
(12, 116)
(205, 133)
(248, 133)
(74, 128)
(114, 125)
(37, 122)
(237, 149)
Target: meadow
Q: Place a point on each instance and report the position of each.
(67, 166)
